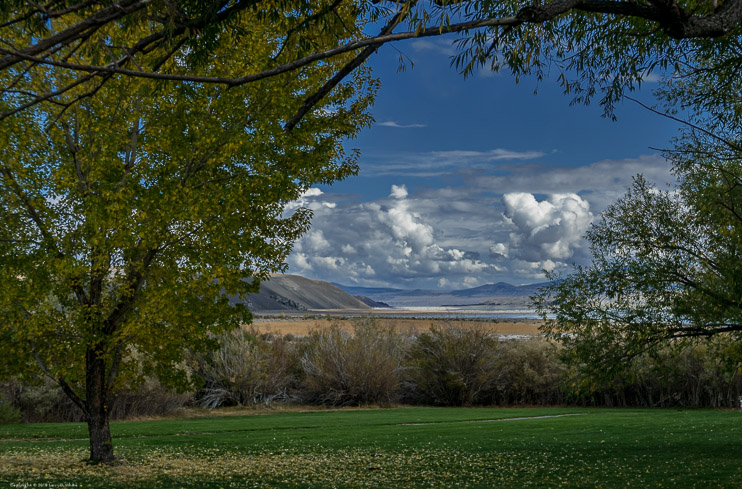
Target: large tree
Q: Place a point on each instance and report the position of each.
(128, 218)
(58, 57)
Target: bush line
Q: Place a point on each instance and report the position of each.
(455, 364)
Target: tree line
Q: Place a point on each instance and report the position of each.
(453, 364)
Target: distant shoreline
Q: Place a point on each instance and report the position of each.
(458, 313)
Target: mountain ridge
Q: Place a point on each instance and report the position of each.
(483, 294)
(294, 293)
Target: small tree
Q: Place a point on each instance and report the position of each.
(533, 373)
(128, 219)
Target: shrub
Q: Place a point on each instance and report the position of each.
(690, 373)
(360, 368)
(246, 369)
(532, 373)
(43, 401)
(9, 414)
(453, 365)
(150, 399)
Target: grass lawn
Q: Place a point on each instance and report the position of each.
(392, 448)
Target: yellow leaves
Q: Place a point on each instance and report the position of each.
(342, 468)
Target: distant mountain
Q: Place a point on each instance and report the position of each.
(296, 293)
(499, 290)
(501, 293)
(372, 303)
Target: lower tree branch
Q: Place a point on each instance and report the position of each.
(59, 380)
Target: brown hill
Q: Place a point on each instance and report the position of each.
(296, 293)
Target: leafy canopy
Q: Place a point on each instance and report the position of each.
(129, 218)
(666, 262)
(594, 47)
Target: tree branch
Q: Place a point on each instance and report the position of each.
(668, 15)
(689, 124)
(134, 280)
(77, 31)
(59, 380)
(346, 70)
(35, 216)
(48, 96)
(280, 69)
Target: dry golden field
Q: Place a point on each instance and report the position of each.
(301, 326)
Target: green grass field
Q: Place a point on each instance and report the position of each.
(392, 448)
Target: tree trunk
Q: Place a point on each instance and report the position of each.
(101, 445)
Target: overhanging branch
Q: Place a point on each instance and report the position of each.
(669, 16)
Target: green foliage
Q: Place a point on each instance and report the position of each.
(601, 53)
(532, 374)
(129, 219)
(456, 365)
(701, 373)
(705, 85)
(665, 263)
(593, 49)
(9, 414)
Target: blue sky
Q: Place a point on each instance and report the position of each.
(465, 182)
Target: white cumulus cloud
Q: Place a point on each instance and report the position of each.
(371, 242)
(399, 192)
(546, 230)
(310, 199)
(509, 225)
